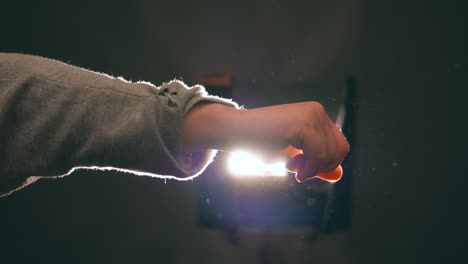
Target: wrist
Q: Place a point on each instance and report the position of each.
(209, 126)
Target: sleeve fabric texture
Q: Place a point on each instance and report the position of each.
(54, 117)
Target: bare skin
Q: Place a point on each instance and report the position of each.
(305, 126)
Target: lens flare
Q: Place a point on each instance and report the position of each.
(242, 163)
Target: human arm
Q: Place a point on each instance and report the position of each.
(54, 117)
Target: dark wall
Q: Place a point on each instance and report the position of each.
(410, 60)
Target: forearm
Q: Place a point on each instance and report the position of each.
(216, 126)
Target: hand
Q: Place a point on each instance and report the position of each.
(304, 126)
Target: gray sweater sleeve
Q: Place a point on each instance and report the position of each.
(55, 117)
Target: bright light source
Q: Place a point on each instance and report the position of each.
(241, 163)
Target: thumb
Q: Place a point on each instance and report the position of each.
(303, 169)
(296, 163)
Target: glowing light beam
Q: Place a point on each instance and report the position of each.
(241, 163)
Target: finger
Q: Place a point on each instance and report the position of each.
(309, 171)
(332, 176)
(342, 143)
(296, 163)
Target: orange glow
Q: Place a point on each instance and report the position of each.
(332, 176)
(292, 151)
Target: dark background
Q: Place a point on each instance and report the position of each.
(409, 58)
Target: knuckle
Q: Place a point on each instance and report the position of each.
(312, 115)
(347, 147)
(316, 104)
(317, 107)
(322, 110)
(344, 148)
